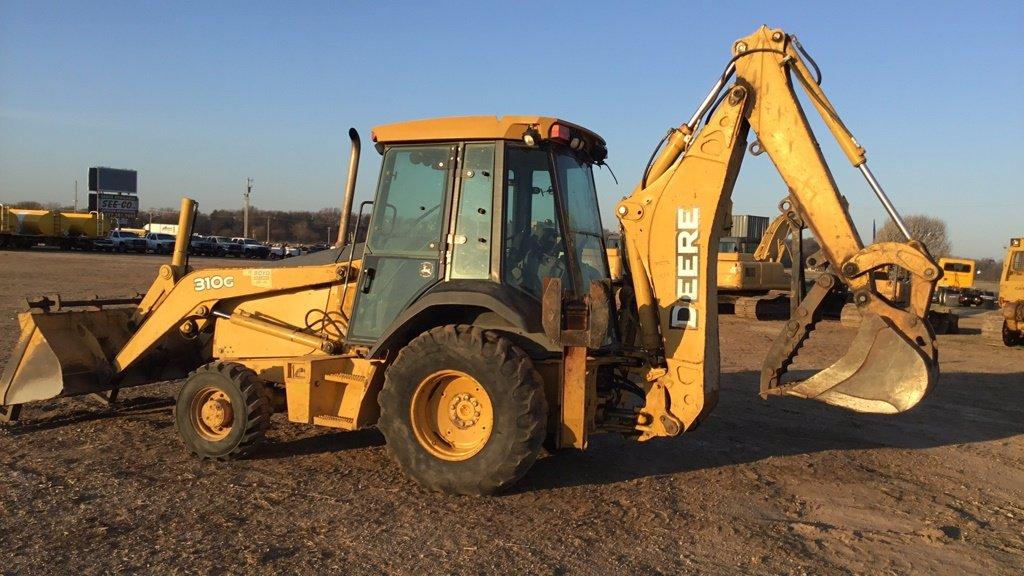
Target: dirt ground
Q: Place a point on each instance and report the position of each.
(779, 487)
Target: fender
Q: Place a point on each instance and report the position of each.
(463, 301)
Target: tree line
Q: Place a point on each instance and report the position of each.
(321, 227)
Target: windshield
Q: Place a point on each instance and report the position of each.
(163, 237)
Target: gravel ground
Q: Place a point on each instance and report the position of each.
(779, 487)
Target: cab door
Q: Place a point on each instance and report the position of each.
(404, 245)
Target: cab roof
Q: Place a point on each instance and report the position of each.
(477, 128)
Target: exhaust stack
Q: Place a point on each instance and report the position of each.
(186, 218)
(350, 189)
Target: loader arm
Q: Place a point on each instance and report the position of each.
(671, 226)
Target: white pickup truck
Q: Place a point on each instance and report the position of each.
(159, 243)
(124, 241)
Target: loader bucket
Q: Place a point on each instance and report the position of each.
(65, 353)
(883, 372)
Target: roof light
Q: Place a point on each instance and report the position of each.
(560, 133)
(1015, 242)
(530, 137)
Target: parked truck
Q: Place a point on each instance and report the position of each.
(1006, 326)
(25, 228)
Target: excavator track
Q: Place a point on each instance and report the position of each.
(772, 306)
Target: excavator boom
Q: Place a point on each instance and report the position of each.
(672, 222)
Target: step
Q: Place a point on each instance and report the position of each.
(345, 378)
(334, 422)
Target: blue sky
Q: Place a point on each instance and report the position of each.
(198, 96)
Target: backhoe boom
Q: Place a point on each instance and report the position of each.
(672, 222)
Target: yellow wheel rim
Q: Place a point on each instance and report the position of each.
(211, 414)
(452, 416)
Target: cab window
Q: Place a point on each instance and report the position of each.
(407, 215)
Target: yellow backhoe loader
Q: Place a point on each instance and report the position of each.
(1006, 326)
(476, 322)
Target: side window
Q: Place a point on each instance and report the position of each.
(1017, 263)
(409, 208)
(534, 248)
(471, 257)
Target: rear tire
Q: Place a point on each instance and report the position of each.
(427, 411)
(222, 412)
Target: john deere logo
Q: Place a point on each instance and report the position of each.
(426, 269)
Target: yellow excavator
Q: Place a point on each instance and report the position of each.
(476, 323)
(757, 285)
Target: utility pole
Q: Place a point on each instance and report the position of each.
(76, 195)
(268, 229)
(245, 215)
(328, 235)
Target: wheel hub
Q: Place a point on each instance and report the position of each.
(217, 413)
(211, 414)
(464, 410)
(451, 415)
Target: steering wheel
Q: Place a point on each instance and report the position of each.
(415, 229)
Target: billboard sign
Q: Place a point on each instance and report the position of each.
(114, 204)
(103, 179)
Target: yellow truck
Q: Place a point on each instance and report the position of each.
(25, 228)
(1006, 327)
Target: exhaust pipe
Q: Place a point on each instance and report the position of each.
(350, 189)
(181, 241)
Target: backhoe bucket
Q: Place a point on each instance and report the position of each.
(883, 372)
(66, 353)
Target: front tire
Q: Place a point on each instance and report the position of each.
(463, 411)
(222, 412)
